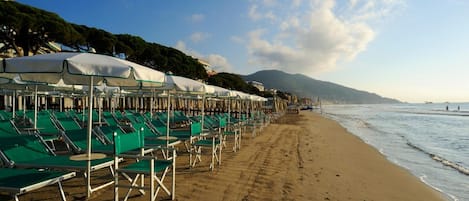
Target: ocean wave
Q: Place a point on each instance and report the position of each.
(438, 112)
(445, 162)
(423, 177)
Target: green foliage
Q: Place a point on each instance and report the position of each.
(28, 28)
(159, 57)
(232, 81)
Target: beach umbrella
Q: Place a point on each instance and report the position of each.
(178, 84)
(82, 69)
(225, 93)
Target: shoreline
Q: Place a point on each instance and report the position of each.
(302, 156)
(443, 195)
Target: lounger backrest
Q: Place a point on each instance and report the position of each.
(68, 123)
(6, 115)
(127, 142)
(109, 131)
(7, 128)
(221, 122)
(196, 128)
(79, 138)
(24, 148)
(142, 127)
(46, 124)
(159, 126)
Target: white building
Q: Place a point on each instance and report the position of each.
(256, 84)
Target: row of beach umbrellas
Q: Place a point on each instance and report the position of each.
(66, 71)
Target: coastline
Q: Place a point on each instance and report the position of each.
(298, 157)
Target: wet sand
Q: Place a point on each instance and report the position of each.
(298, 157)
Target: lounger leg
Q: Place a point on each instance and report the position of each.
(240, 136)
(61, 190)
(173, 187)
(219, 158)
(152, 182)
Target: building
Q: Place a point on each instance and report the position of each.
(256, 84)
(207, 66)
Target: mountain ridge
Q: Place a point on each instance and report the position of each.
(304, 86)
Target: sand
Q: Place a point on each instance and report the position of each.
(298, 157)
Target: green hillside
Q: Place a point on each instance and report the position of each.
(304, 86)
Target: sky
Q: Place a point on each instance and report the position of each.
(411, 50)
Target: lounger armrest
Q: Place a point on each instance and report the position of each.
(137, 156)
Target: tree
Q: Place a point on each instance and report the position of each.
(232, 81)
(26, 29)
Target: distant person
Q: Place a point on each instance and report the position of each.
(458, 108)
(446, 108)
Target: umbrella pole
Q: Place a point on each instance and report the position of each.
(151, 103)
(35, 106)
(167, 123)
(88, 138)
(14, 104)
(100, 107)
(203, 114)
(61, 103)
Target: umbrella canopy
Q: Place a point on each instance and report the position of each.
(182, 84)
(72, 67)
(222, 92)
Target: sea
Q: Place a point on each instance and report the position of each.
(431, 140)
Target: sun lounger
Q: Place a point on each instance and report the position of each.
(157, 170)
(20, 181)
(30, 152)
(213, 142)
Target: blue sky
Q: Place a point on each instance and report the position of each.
(414, 51)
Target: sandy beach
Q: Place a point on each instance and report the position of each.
(298, 157)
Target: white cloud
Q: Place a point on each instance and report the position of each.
(313, 37)
(296, 3)
(217, 62)
(199, 36)
(197, 17)
(257, 15)
(237, 39)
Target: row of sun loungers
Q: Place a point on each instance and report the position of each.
(126, 135)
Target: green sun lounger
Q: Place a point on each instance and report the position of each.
(19, 181)
(156, 170)
(30, 152)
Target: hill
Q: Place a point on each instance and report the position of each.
(305, 86)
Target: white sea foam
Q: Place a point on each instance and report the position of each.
(452, 197)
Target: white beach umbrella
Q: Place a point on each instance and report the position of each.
(225, 93)
(181, 84)
(82, 69)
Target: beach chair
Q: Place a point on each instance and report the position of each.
(30, 152)
(8, 128)
(20, 181)
(152, 138)
(157, 170)
(249, 125)
(5, 115)
(77, 143)
(65, 122)
(235, 133)
(213, 142)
